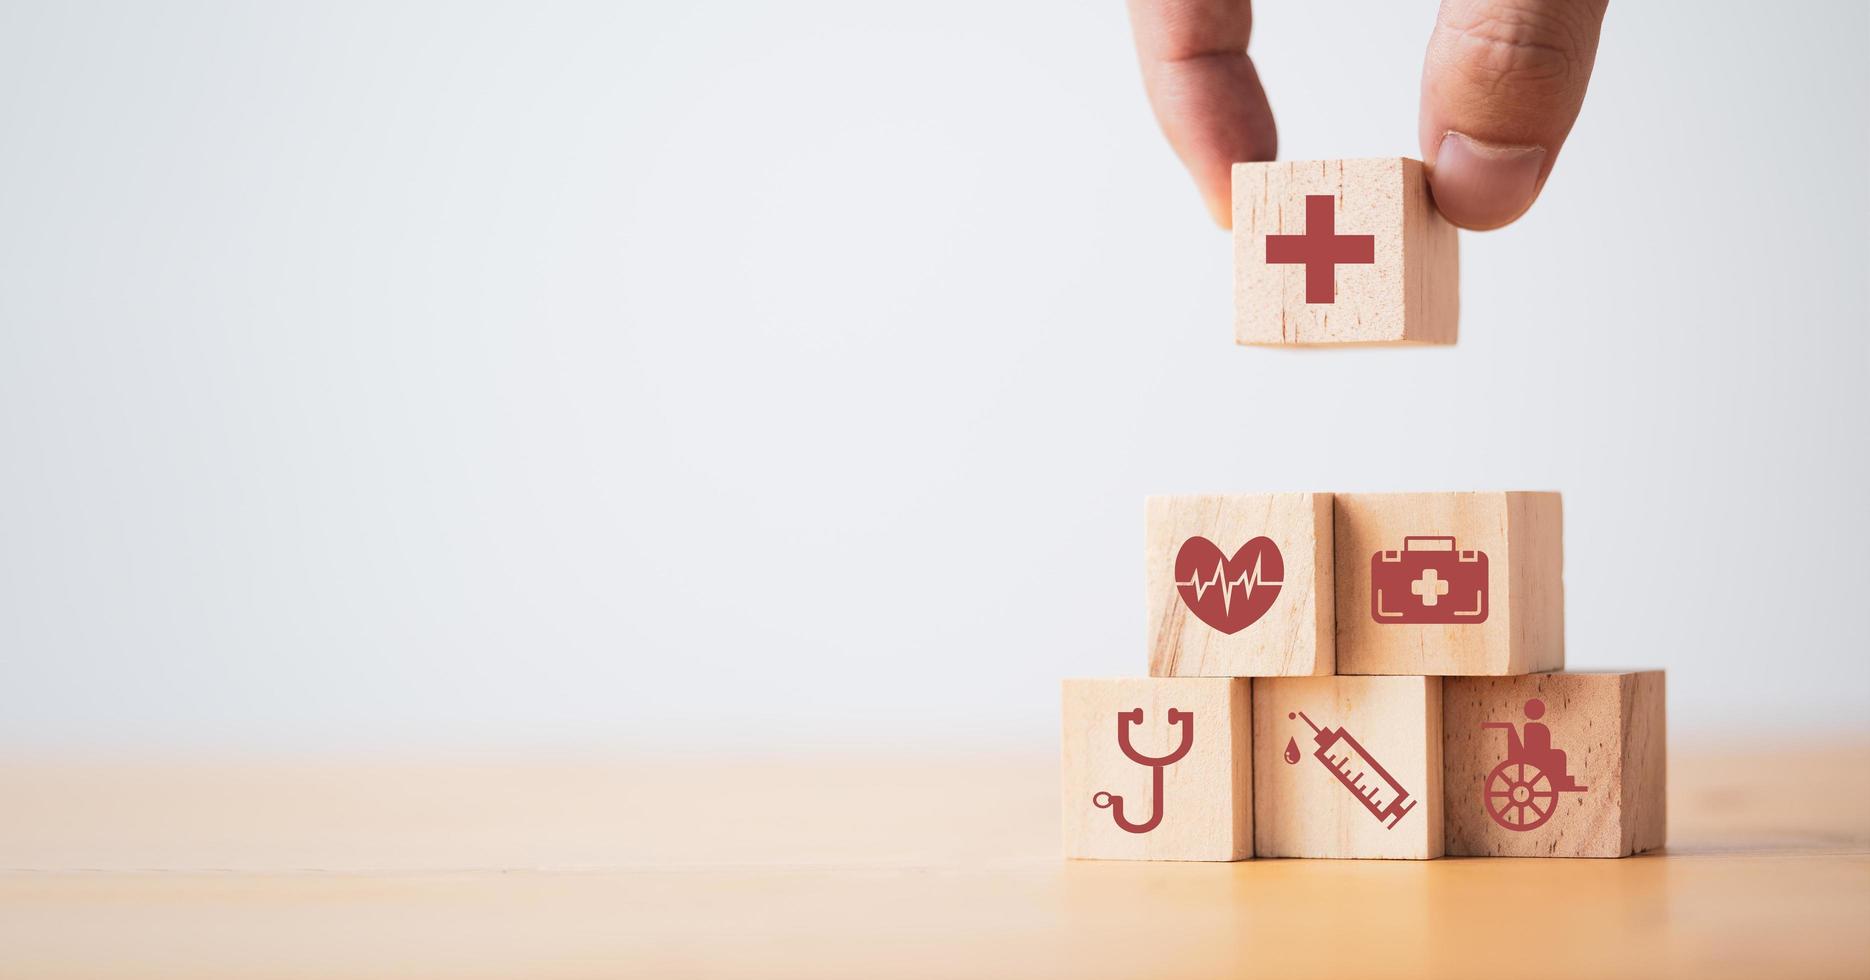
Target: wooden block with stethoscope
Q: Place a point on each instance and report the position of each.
(1157, 768)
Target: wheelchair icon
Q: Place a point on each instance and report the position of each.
(1522, 792)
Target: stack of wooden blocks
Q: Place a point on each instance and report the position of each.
(1357, 675)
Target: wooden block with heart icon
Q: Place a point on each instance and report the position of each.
(1342, 252)
(1555, 765)
(1158, 768)
(1449, 583)
(1347, 767)
(1240, 585)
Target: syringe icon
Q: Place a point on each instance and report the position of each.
(1351, 763)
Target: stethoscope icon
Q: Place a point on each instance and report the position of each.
(1113, 802)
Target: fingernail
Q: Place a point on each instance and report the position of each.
(1484, 185)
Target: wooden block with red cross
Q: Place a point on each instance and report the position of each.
(1158, 769)
(1555, 765)
(1342, 252)
(1449, 583)
(1347, 767)
(1239, 585)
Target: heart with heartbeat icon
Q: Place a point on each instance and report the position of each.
(1229, 594)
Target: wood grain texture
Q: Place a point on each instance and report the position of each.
(1410, 294)
(1296, 636)
(1522, 536)
(1612, 728)
(1301, 809)
(1207, 794)
(876, 859)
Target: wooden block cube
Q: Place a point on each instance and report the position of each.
(1158, 769)
(1347, 767)
(1240, 585)
(1555, 765)
(1449, 583)
(1342, 252)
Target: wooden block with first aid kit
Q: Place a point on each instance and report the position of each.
(1449, 583)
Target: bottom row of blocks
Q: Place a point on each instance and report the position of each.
(1221, 769)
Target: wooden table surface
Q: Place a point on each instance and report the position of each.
(867, 865)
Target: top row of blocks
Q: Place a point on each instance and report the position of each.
(1295, 584)
(1342, 252)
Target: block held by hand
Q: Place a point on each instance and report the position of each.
(1342, 252)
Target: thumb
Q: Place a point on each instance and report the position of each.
(1502, 84)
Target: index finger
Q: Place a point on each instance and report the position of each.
(1204, 90)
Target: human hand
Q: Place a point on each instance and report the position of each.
(1501, 86)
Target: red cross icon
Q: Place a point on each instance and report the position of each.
(1321, 249)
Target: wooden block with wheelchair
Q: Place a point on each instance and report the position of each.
(1555, 765)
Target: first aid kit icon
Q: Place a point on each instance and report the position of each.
(1428, 580)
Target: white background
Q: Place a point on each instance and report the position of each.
(691, 375)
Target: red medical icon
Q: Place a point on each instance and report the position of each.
(1321, 249)
(1383, 796)
(1522, 792)
(1114, 803)
(1428, 581)
(1229, 594)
